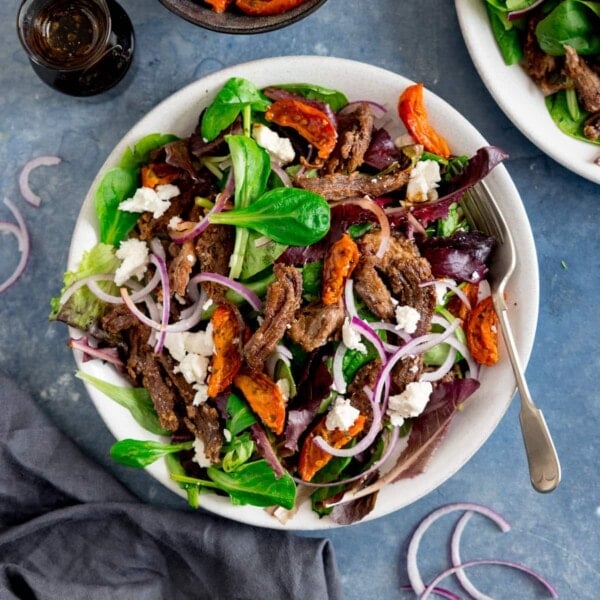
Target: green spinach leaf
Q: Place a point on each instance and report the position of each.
(141, 453)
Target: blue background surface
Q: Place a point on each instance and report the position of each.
(556, 534)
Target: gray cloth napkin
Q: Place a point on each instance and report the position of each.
(69, 530)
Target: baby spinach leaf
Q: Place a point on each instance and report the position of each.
(334, 98)
(241, 417)
(233, 97)
(558, 107)
(259, 254)
(237, 452)
(117, 185)
(507, 36)
(174, 468)
(139, 155)
(136, 400)
(141, 453)
(286, 215)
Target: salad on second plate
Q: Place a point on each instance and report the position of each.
(557, 42)
(294, 294)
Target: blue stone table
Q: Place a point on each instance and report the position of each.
(556, 534)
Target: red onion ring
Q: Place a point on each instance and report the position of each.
(367, 204)
(378, 110)
(339, 383)
(443, 369)
(349, 301)
(246, 293)
(280, 172)
(20, 232)
(198, 228)
(414, 576)
(451, 286)
(161, 267)
(368, 332)
(363, 444)
(34, 163)
(107, 354)
(504, 563)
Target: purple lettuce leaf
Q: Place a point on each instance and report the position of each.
(381, 152)
(429, 429)
(263, 445)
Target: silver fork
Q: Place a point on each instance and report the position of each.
(483, 213)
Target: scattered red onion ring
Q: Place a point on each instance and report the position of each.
(20, 232)
(139, 294)
(280, 172)
(107, 354)
(412, 569)
(443, 369)
(369, 333)
(246, 293)
(161, 267)
(504, 563)
(362, 445)
(451, 285)
(349, 302)
(34, 163)
(339, 383)
(367, 204)
(378, 110)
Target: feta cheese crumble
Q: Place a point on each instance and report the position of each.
(200, 457)
(351, 337)
(410, 403)
(423, 181)
(342, 415)
(407, 318)
(279, 148)
(134, 256)
(146, 199)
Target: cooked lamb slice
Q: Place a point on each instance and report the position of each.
(406, 371)
(203, 422)
(544, 69)
(338, 186)
(181, 266)
(213, 249)
(354, 136)
(315, 324)
(372, 289)
(591, 127)
(283, 300)
(366, 377)
(403, 270)
(585, 79)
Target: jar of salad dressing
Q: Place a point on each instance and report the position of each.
(78, 47)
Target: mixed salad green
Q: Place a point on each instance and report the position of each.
(295, 297)
(535, 34)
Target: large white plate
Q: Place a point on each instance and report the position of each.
(178, 114)
(519, 98)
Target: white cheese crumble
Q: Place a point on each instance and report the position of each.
(200, 455)
(423, 181)
(146, 199)
(134, 256)
(342, 415)
(407, 318)
(284, 388)
(201, 395)
(410, 403)
(351, 337)
(200, 342)
(279, 148)
(193, 367)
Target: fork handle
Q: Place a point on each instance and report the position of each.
(544, 466)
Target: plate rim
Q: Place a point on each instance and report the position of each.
(198, 93)
(499, 79)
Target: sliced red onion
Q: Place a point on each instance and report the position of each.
(369, 333)
(466, 354)
(281, 173)
(138, 295)
(412, 568)
(362, 445)
(82, 344)
(246, 293)
(367, 204)
(137, 312)
(451, 285)
(161, 267)
(349, 301)
(20, 232)
(504, 563)
(339, 383)
(34, 163)
(196, 229)
(442, 370)
(378, 110)
(517, 14)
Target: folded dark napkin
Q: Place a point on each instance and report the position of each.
(69, 530)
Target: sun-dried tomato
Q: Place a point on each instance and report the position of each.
(313, 458)
(412, 111)
(482, 332)
(267, 7)
(338, 265)
(152, 174)
(264, 397)
(226, 359)
(219, 6)
(310, 122)
(457, 307)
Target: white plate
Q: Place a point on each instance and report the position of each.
(178, 114)
(519, 98)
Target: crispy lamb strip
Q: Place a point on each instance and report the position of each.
(213, 249)
(203, 422)
(315, 324)
(338, 186)
(586, 80)
(181, 266)
(354, 136)
(283, 300)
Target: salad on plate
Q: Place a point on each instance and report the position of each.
(557, 42)
(293, 293)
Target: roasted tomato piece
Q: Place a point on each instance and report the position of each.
(482, 333)
(267, 7)
(339, 263)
